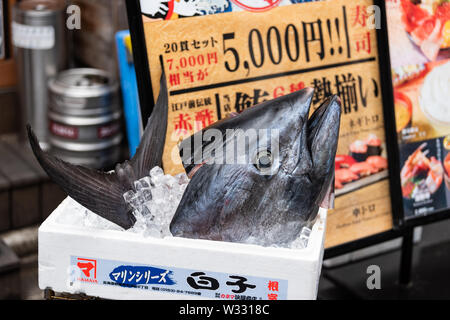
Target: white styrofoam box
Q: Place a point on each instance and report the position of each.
(101, 263)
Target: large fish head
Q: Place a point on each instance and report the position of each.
(270, 189)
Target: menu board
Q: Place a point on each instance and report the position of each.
(254, 51)
(419, 41)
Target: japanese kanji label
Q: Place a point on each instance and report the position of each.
(221, 64)
(176, 281)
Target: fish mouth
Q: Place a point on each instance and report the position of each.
(329, 109)
(317, 147)
(323, 129)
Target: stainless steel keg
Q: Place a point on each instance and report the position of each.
(85, 117)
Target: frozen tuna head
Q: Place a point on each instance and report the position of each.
(272, 189)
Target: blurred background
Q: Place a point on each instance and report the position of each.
(64, 81)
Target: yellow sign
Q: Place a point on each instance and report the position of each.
(221, 64)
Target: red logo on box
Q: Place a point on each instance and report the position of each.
(88, 267)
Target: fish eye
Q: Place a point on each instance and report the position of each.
(264, 160)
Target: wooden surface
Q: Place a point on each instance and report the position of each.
(9, 273)
(9, 111)
(50, 194)
(24, 195)
(27, 196)
(5, 219)
(8, 259)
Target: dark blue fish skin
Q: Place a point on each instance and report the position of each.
(237, 203)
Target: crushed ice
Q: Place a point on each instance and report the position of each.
(154, 204)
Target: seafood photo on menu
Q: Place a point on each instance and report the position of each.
(447, 170)
(363, 165)
(446, 145)
(419, 45)
(421, 175)
(427, 23)
(419, 32)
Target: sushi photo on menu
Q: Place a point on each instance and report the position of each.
(365, 164)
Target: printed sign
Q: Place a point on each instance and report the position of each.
(232, 61)
(419, 35)
(175, 9)
(177, 281)
(256, 6)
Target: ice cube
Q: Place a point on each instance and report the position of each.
(133, 199)
(145, 211)
(156, 172)
(128, 196)
(169, 181)
(303, 240)
(143, 183)
(182, 178)
(145, 194)
(159, 193)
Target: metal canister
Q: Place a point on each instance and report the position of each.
(40, 43)
(85, 117)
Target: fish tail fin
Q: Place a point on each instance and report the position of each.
(150, 151)
(97, 191)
